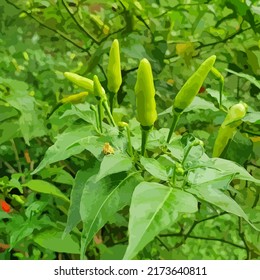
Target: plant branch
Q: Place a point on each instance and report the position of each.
(219, 240)
(242, 236)
(61, 34)
(78, 24)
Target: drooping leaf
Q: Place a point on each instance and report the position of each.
(112, 164)
(251, 79)
(51, 239)
(253, 117)
(155, 168)
(230, 167)
(209, 192)
(65, 146)
(45, 187)
(154, 207)
(81, 180)
(101, 200)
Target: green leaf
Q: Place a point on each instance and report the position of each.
(83, 111)
(51, 239)
(206, 175)
(154, 207)
(251, 79)
(112, 164)
(210, 193)
(253, 117)
(101, 200)
(58, 175)
(30, 122)
(8, 130)
(81, 181)
(239, 149)
(155, 168)
(7, 112)
(198, 103)
(45, 187)
(229, 167)
(65, 146)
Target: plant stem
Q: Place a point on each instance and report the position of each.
(221, 87)
(94, 109)
(130, 148)
(105, 104)
(100, 115)
(113, 101)
(186, 154)
(145, 134)
(175, 120)
(174, 175)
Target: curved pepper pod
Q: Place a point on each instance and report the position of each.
(98, 89)
(145, 92)
(192, 86)
(228, 127)
(114, 77)
(80, 81)
(75, 98)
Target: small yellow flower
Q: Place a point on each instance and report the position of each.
(107, 149)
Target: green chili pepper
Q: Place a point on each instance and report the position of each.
(98, 89)
(114, 77)
(189, 90)
(75, 98)
(145, 92)
(228, 127)
(145, 102)
(80, 81)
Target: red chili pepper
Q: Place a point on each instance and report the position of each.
(5, 206)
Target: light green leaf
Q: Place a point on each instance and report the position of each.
(230, 167)
(81, 180)
(45, 187)
(154, 207)
(198, 103)
(204, 175)
(253, 117)
(51, 239)
(112, 164)
(251, 79)
(101, 200)
(155, 168)
(210, 193)
(7, 112)
(65, 146)
(9, 129)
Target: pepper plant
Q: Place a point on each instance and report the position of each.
(106, 152)
(150, 177)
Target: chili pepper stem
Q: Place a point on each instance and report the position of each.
(105, 104)
(100, 115)
(94, 109)
(175, 120)
(221, 86)
(174, 175)
(113, 101)
(186, 154)
(145, 134)
(130, 149)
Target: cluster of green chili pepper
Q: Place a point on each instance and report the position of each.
(93, 86)
(145, 98)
